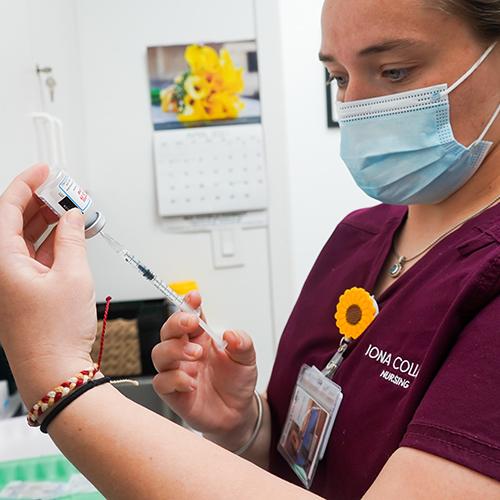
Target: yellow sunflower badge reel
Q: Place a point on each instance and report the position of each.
(356, 309)
(316, 398)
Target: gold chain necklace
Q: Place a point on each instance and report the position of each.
(397, 268)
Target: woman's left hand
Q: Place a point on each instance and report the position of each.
(47, 301)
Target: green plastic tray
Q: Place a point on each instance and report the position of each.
(51, 468)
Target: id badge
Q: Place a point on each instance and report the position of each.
(309, 422)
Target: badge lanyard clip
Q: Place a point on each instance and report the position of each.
(336, 359)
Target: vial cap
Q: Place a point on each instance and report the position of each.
(96, 226)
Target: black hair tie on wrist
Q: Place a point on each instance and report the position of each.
(69, 399)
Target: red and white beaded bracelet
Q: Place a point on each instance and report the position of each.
(59, 392)
(68, 386)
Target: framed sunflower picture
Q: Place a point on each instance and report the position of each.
(331, 93)
(204, 84)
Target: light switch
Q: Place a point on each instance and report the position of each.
(226, 247)
(227, 243)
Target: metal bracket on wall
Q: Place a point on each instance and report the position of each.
(50, 81)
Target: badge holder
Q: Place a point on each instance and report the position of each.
(316, 398)
(311, 415)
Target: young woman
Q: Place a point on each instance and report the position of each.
(419, 92)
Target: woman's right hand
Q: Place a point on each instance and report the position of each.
(210, 388)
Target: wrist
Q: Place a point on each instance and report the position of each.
(34, 378)
(239, 435)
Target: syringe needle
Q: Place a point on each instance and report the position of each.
(117, 247)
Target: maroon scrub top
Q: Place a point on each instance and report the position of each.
(426, 372)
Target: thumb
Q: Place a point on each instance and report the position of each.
(240, 347)
(69, 244)
(193, 298)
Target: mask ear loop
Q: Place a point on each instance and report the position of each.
(488, 125)
(469, 71)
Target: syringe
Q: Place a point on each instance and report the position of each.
(175, 299)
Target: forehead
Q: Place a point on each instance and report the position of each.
(351, 25)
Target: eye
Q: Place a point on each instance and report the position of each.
(395, 74)
(339, 79)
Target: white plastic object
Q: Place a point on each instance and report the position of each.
(49, 138)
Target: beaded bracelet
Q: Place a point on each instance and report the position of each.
(55, 395)
(61, 391)
(258, 425)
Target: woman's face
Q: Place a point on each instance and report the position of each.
(379, 47)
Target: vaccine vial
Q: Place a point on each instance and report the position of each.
(61, 193)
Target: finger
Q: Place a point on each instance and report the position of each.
(17, 201)
(39, 223)
(193, 298)
(169, 354)
(240, 347)
(180, 325)
(32, 209)
(173, 381)
(45, 252)
(69, 244)
(35, 203)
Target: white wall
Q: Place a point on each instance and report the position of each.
(18, 90)
(322, 191)
(53, 33)
(39, 32)
(98, 52)
(113, 37)
(270, 45)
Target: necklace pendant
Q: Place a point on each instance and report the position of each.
(397, 268)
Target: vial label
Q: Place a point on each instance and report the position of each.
(75, 197)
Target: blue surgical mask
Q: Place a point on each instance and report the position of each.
(400, 148)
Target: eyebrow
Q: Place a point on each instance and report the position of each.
(401, 43)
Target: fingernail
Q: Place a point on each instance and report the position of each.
(185, 321)
(238, 339)
(230, 335)
(192, 349)
(75, 218)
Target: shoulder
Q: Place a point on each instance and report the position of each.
(373, 219)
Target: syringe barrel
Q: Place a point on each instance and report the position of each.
(185, 307)
(175, 299)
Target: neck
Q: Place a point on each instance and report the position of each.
(477, 193)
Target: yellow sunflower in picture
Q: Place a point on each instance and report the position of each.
(356, 309)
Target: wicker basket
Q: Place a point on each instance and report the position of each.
(122, 354)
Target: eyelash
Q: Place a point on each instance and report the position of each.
(385, 74)
(332, 78)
